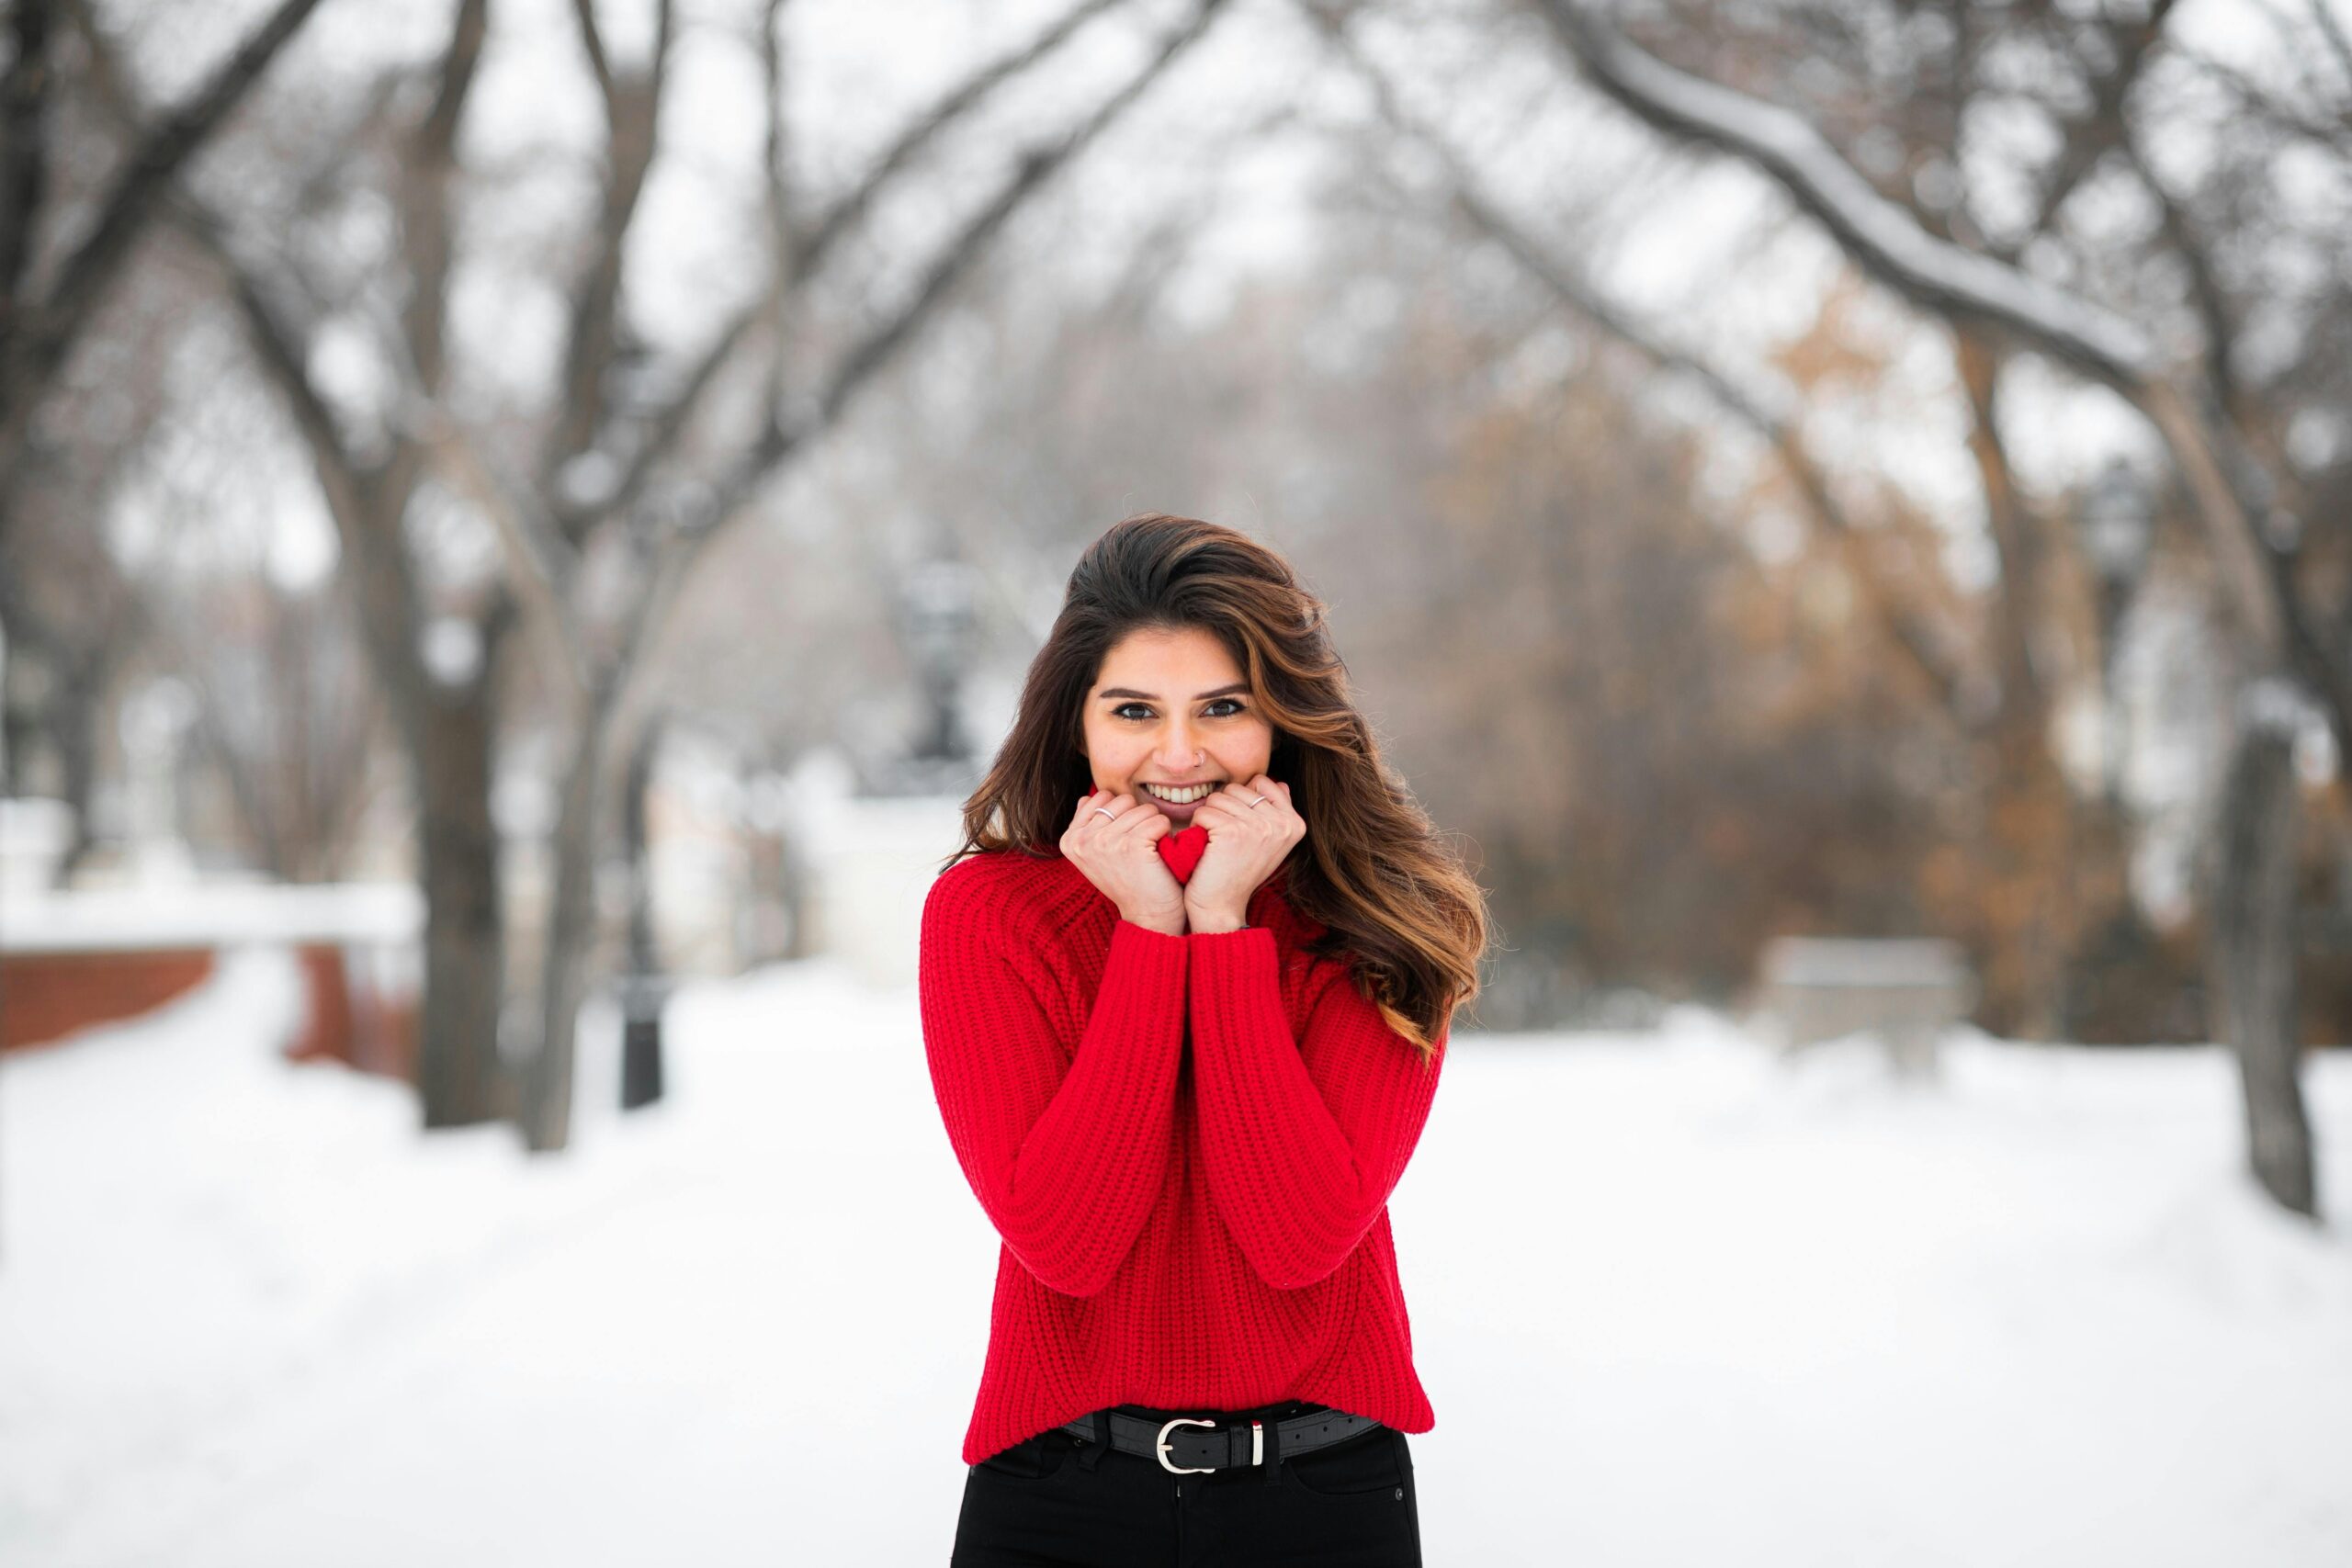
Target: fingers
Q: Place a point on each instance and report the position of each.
(1122, 820)
(1137, 824)
(1243, 807)
(1094, 801)
(1088, 819)
(1244, 797)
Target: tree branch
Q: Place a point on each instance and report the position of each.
(633, 114)
(790, 427)
(795, 261)
(1967, 288)
(776, 164)
(1879, 234)
(845, 212)
(2091, 136)
(36, 338)
(23, 151)
(2212, 308)
(542, 562)
(1770, 415)
(424, 197)
(1039, 165)
(2332, 28)
(281, 346)
(2258, 100)
(86, 274)
(592, 44)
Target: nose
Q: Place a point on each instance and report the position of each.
(1179, 748)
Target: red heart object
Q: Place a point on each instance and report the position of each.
(1181, 850)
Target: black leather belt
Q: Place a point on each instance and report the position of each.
(1195, 1444)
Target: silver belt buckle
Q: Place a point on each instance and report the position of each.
(1180, 1469)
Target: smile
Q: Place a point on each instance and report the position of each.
(1178, 796)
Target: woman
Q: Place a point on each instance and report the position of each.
(1185, 991)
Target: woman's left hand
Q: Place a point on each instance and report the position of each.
(1246, 841)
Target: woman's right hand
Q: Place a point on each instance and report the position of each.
(1120, 854)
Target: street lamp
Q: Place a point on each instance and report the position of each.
(644, 988)
(937, 614)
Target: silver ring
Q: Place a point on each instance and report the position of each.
(1108, 812)
(1255, 800)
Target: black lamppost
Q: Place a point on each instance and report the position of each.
(2115, 520)
(643, 986)
(937, 613)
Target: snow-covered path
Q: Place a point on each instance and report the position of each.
(1675, 1304)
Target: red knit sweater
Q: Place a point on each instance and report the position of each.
(1187, 1143)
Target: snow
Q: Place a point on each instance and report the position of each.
(1676, 1301)
(210, 914)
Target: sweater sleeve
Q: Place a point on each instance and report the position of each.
(1302, 1142)
(1066, 1160)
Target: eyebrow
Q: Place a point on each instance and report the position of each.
(1109, 692)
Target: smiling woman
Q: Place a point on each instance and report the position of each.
(1174, 750)
(1183, 1086)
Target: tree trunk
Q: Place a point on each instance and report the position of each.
(2252, 953)
(644, 950)
(546, 1111)
(76, 700)
(53, 701)
(465, 950)
(796, 879)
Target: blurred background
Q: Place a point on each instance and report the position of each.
(521, 521)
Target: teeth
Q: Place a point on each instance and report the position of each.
(1178, 796)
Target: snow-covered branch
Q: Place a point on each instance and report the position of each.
(1881, 237)
(1963, 286)
(1770, 411)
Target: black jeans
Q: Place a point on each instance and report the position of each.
(1038, 1504)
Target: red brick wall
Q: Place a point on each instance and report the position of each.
(353, 1022)
(46, 996)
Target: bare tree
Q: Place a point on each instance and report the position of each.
(285, 710)
(442, 708)
(1770, 410)
(600, 656)
(63, 251)
(2052, 871)
(2238, 498)
(614, 491)
(41, 319)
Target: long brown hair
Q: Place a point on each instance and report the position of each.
(1392, 895)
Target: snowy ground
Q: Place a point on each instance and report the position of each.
(1675, 1304)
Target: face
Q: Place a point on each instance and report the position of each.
(1171, 707)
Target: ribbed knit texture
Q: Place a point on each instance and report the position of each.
(1187, 1144)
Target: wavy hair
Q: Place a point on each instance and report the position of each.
(1393, 897)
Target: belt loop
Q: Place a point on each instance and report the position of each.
(1273, 1448)
(1098, 1445)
